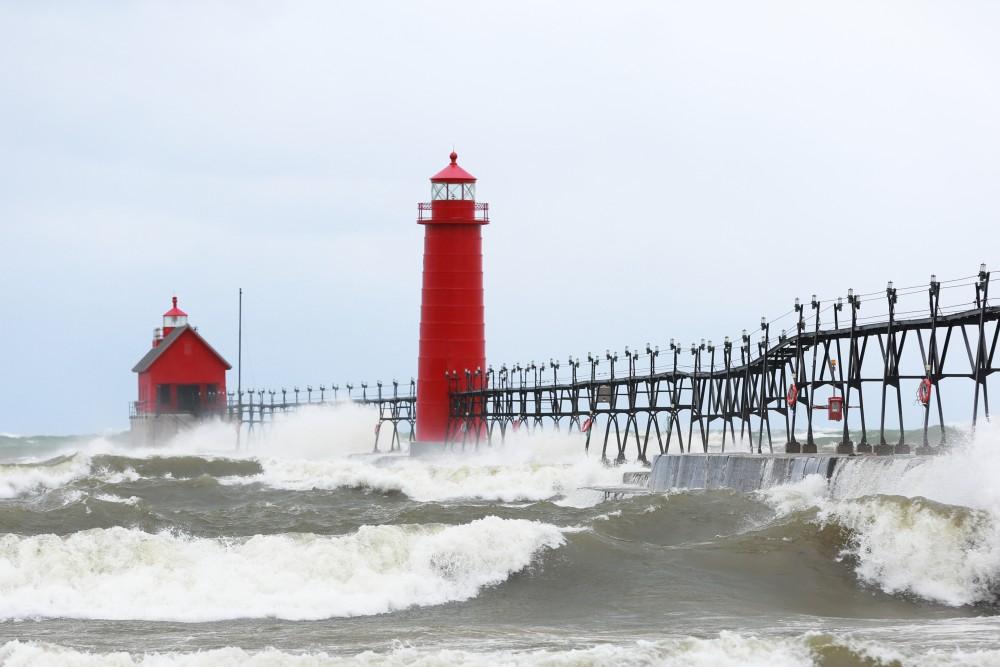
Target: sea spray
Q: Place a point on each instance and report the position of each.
(965, 474)
(309, 432)
(808, 492)
(331, 447)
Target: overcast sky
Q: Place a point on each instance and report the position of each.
(653, 170)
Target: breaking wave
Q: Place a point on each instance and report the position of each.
(435, 480)
(327, 449)
(909, 527)
(483, 477)
(17, 479)
(944, 553)
(22, 479)
(177, 467)
(727, 649)
(120, 573)
(928, 528)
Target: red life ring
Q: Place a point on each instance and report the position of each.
(793, 394)
(924, 391)
(378, 427)
(517, 426)
(587, 423)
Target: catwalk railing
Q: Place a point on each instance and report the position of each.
(760, 379)
(256, 408)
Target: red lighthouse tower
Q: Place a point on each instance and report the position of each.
(452, 324)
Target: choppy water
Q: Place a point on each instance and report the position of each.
(297, 552)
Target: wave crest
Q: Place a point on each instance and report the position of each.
(178, 467)
(944, 553)
(18, 479)
(436, 480)
(120, 573)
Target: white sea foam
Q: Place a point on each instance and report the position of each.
(727, 650)
(37, 473)
(120, 573)
(962, 642)
(20, 479)
(111, 498)
(810, 491)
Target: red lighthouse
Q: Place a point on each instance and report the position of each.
(181, 379)
(452, 324)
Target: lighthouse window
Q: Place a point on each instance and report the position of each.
(457, 191)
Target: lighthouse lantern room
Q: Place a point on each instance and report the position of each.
(181, 379)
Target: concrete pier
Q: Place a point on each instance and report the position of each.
(740, 472)
(847, 475)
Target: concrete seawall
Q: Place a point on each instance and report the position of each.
(749, 472)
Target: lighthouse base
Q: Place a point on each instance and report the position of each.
(151, 430)
(428, 449)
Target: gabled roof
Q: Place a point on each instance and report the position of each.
(150, 358)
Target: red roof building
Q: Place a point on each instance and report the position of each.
(181, 373)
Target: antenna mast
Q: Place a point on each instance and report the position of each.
(239, 371)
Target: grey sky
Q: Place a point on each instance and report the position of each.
(653, 170)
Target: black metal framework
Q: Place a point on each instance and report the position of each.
(777, 380)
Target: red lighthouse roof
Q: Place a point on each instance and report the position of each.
(453, 173)
(160, 350)
(175, 311)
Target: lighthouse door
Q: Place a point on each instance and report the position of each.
(187, 398)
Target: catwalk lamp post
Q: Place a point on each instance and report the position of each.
(652, 353)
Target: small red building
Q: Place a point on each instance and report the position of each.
(181, 374)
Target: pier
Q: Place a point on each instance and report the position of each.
(758, 394)
(759, 385)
